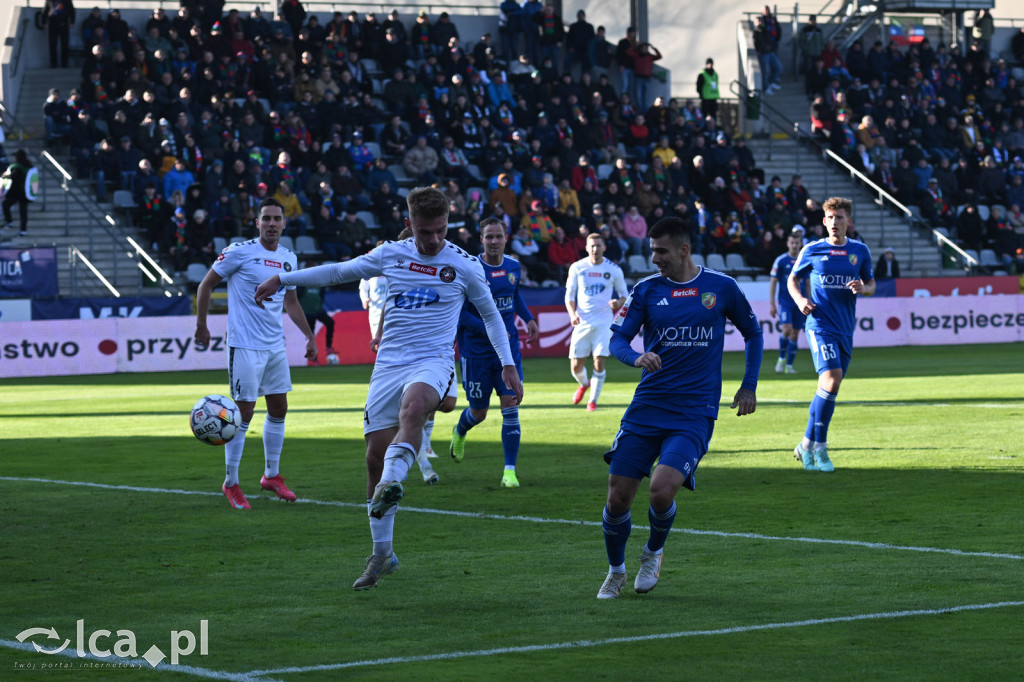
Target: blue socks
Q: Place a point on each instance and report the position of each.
(466, 422)
(661, 524)
(822, 407)
(791, 350)
(509, 434)
(783, 347)
(616, 533)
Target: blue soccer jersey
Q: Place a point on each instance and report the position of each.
(781, 268)
(684, 323)
(830, 269)
(503, 280)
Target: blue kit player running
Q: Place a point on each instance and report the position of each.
(481, 367)
(838, 269)
(682, 312)
(791, 319)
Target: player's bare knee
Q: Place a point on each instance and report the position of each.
(246, 410)
(479, 415)
(448, 404)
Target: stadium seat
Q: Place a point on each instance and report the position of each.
(734, 263)
(762, 278)
(604, 171)
(716, 262)
(989, 259)
(195, 272)
(637, 264)
(219, 243)
(698, 260)
(235, 240)
(744, 278)
(973, 254)
(288, 243)
(124, 204)
(305, 245)
(944, 231)
(369, 219)
(984, 212)
(550, 284)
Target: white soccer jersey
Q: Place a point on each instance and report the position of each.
(373, 292)
(245, 265)
(592, 287)
(424, 298)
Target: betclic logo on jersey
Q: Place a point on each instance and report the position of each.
(424, 269)
(682, 293)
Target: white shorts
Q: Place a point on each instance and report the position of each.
(253, 373)
(587, 341)
(388, 385)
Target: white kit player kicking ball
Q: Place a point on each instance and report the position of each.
(429, 279)
(257, 361)
(589, 298)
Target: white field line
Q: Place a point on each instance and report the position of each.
(127, 663)
(740, 629)
(534, 519)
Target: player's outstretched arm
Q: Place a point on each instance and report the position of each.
(266, 289)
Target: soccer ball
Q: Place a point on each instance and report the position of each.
(332, 358)
(215, 419)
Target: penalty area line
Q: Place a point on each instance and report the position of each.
(741, 629)
(537, 519)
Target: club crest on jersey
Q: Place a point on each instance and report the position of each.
(425, 269)
(271, 263)
(708, 300)
(287, 267)
(679, 293)
(447, 274)
(853, 259)
(512, 278)
(607, 275)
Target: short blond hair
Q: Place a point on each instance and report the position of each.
(838, 204)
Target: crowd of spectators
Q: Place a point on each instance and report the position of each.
(935, 127)
(202, 114)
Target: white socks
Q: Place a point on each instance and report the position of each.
(581, 377)
(233, 455)
(273, 442)
(596, 384)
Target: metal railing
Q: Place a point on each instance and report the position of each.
(780, 122)
(103, 228)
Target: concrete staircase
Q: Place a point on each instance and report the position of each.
(73, 219)
(877, 226)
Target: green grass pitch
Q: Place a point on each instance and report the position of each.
(907, 563)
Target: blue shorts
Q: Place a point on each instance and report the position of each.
(480, 376)
(830, 351)
(790, 314)
(680, 445)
